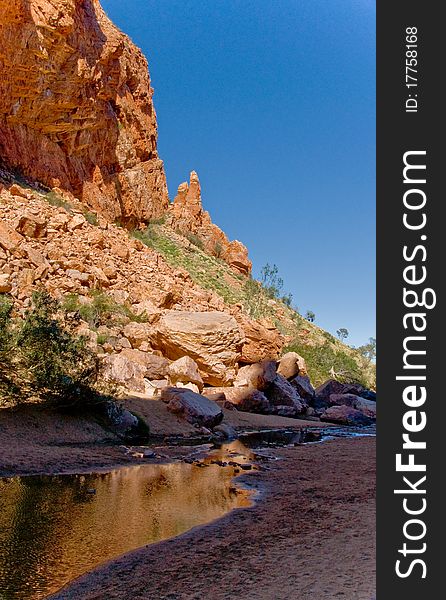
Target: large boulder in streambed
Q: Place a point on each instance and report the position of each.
(345, 415)
(324, 391)
(122, 370)
(185, 370)
(212, 339)
(262, 340)
(304, 388)
(192, 407)
(368, 407)
(281, 393)
(155, 367)
(244, 399)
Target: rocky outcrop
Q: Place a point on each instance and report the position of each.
(187, 216)
(212, 339)
(76, 109)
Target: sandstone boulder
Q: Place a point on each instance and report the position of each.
(368, 407)
(258, 375)
(212, 339)
(192, 407)
(331, 386)
(31, 226)
(244, 399)
(9, 238)
(345, 415)
(120, 370)
(137, 333)
(304, 388)
(262, 340)
(185, 370)
(148, 309)
(324, 391)
(5, 283)
(291, 364)
(155, 367)
(282, 393)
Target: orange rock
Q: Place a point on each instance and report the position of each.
(9, 239)
(212, 339)
(187, 215)
(76, 108)
(31, 226)
(5, 283)
(261, 341)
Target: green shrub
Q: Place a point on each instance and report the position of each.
(91, 217)
(147, 237)
(56, 200)
(195, 240)
(218, 249)
(101, 310)
(46, 361)
(158, 221)
(7, 387)
(102, 338)
(322, 359)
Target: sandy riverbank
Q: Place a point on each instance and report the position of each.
(309, 536)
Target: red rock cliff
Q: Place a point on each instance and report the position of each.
(76, 107)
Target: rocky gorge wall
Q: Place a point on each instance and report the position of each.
(77, 114)
(76, 108)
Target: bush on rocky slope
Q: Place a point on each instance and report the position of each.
(41, 360)
(325, 362)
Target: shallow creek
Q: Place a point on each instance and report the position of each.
(55, 528)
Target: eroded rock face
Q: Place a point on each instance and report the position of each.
(187, 215)
(76, 108)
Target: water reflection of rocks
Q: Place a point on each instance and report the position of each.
(53, 529)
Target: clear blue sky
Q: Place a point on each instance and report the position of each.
(272, 102)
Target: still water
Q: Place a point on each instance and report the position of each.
(53, 529)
